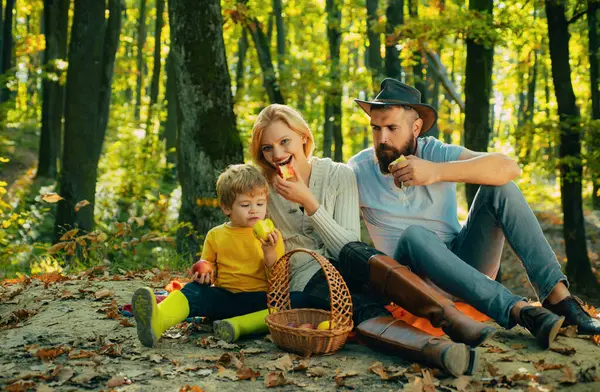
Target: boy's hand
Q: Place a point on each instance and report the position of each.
(206, 278)
(270, 243)
(269, 248)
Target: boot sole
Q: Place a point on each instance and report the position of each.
(458, 359)
(143, 304)
(486, 334)
(224, 331)
(554, 331)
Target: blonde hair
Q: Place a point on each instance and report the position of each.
(238, 180)
(268, 116)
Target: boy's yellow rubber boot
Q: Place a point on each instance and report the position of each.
(153, 319)
(232, 329)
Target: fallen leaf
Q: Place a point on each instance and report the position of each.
(316, 371)
(229, 359)
(44, 388)
(226, 373)
(568, 351)
(496, 350)
(275, 379)
(157, 358)
(542, 365)
(568, 376)
(126, 323)
(193, 388)
(48, 354)
(103, 293)
(20, 386)
(387, 374)
(51, 198)
(245, 373)
(428, 381)
(284, 363)
(518, 346)
(570, 331)
(461, 383)
(341, 376)
(65, 375)
(492, 370)
(252, 350)
(81, 204)
(116, 381)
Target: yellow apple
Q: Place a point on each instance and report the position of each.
(263, 228)
(402, 158)
(325, 325)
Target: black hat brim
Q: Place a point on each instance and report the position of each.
(426, 112)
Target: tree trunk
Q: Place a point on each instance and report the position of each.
(395, 18)
(278, 11)
(172, 124)
(155, 84)
(56, 19)
(478, 88)
(239, 68)
(530, 107)
(434, 81)
(141, 40)
(578, 265)
(420, 81)
(263, 51)
(592, 16)
(7, 48)
(333, 98)
(91, 56)
(374, 60)
(208, 138)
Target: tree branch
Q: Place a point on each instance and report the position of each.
(577, 16)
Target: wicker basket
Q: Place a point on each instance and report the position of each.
(303, 340)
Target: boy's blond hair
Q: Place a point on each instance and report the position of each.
(238, 180)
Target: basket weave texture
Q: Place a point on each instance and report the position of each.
(303, 340)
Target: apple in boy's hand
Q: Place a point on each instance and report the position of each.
(201, 267)
(263, 228)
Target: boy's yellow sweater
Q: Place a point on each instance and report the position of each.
(237, 257)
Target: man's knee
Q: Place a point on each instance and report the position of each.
(508, 190)
(413, 237)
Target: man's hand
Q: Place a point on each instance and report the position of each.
(415, 171)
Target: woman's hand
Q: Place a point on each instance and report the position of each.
(296, 192)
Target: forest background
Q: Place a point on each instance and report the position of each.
(117, 116)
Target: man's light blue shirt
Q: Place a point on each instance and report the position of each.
(388, 210)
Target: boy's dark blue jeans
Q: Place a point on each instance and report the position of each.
(217, 303)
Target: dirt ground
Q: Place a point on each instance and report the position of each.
(69, 336)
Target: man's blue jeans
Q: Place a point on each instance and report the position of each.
(465, 268)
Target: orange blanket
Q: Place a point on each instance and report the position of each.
(425, 325)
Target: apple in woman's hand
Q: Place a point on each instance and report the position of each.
(286, 171)
(201, 267)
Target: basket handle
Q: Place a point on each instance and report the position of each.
(278, 296)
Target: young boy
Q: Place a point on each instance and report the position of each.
(238, 260)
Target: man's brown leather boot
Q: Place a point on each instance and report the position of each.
(397, 337)
(400, 285)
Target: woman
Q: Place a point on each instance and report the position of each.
(319, 210)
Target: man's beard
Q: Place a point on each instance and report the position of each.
(387, 154)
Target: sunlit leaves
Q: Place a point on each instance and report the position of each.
(51, 198)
